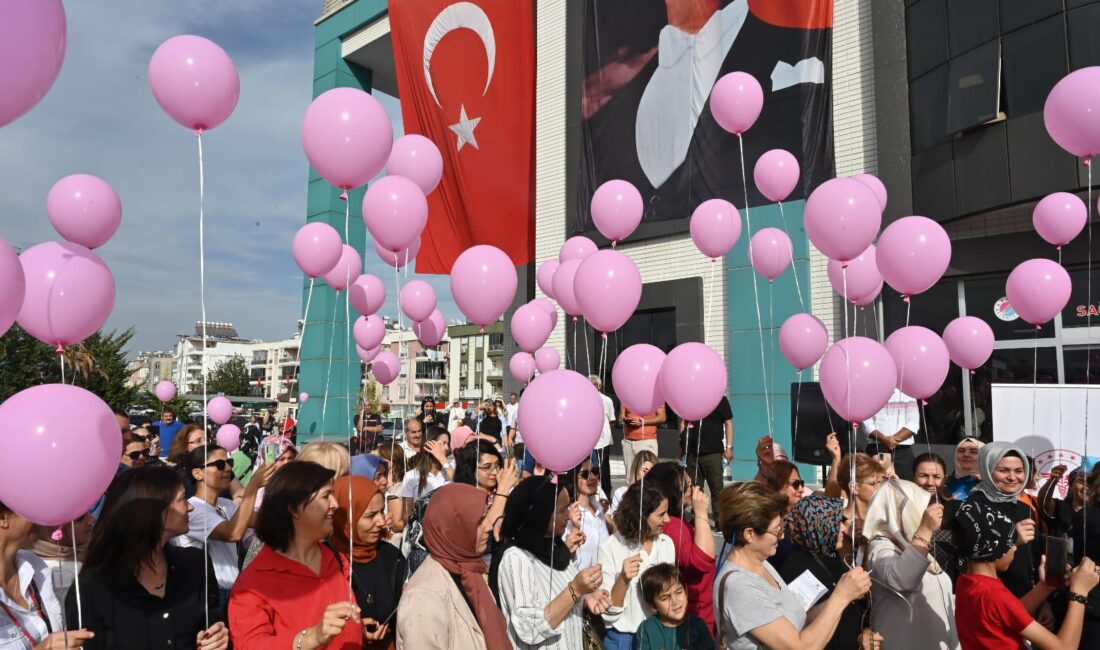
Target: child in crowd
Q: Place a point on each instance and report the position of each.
(670, 627)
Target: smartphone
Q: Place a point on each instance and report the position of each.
(1057, 558)
(270, 454)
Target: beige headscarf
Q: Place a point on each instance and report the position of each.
(895, 513)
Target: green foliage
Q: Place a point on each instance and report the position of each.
(229, 377)
(373, 395)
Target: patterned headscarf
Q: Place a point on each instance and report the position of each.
(814, 524)
(280, 443)
(987, 533)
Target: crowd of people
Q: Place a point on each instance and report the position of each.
(455, 538)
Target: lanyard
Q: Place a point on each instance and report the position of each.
(36, 604)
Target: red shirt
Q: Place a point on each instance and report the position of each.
(696, 569)
(987, 615)
(275, 598)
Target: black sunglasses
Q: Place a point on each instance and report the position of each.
(221, 464)
(586, 473)
(134, 455)
(798, 485)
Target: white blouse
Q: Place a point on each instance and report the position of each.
(613, 551)
(526, 587)
(595, 532)
(31, 569)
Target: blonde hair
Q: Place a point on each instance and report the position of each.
(642, 457)
(328, 455)
(866, 468)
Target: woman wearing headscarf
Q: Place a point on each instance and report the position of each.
(378, 570)
(912, 592)
(966, 474)
(447, 603)
(535, 554)
(816, 527)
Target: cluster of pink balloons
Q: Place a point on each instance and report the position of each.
(603, 286)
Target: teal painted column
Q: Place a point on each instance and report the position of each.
(777, 301)
(329, 363)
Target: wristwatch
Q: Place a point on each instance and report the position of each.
(1078, 598)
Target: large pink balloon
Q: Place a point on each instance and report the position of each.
(858, 376)
(401, 258)
(617, 209)
(531, 327)
(561, 416)
(417, 299)
(803, 339)
(347, 269)
(229, 437)
(864, 279)
(165, 390)
(921, 358)
(871, 297)
(636, 378)
(369, 331)
(68, 430)
(564, 285)
(693, 379)
(219, 409)
(736, 101)
(431, 330)
(1060, 217)
(70, 293)
(84, 209)
(770, 252)
(842, 217)
(522, 367)
(969, 341)
(1070, 112)
(194, 81)
(547, 359)
(913, 254)
(549, 308)
(1037, 289)
(317, 248)
(715, 227)
(545, 277)
(576, 248)
(395, 211)
(365, 355)
(32, 48)
(13, 286)
(875, 185)
(347, 137)
(386, 367)
(367, 294)
(608, 288)
(776, 174)
(483, 283)
(417, 159)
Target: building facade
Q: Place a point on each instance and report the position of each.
(476, 370)
(150, 368)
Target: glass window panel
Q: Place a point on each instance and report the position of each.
(1084, 47)
(943, 419)
(974, 87)
(1079, 368)
(1017, 13)
(971, 23)
(1016, 366)
(928, 109)
(933, 309)
(927, 35)
(1034, 60)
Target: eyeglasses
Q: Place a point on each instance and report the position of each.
(134, 455)
(778, 532)
(873, 483)
(490, 468)
(798, 484)
(587, 473)
(220, 465)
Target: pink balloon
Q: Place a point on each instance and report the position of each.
(576, 248)
(608, 288)
(64, 428)
(875, 185)
(1060, 217)
(531, 327)
(1037, 289)
(561, 416)
(303, 397)
(194, 81)
(863, 278)
(367, 294)
(32, 48)
(84, 210)
(842, 218)
(858, 376)
(693, 379)
(432, 330)
(547, 359)
(417, 159)
(219, 409)
(969, 341)
(803, 339)
(770, 252)
(636, 378)
(347, 137)
(715, 227)
(395, 211)
(522, 367)
(347, 269)
(70, 293)
(229, 437)
(921, 358)
(386, 367)
(617, 209)
(401, 258)
(317, 248)
(913, 254)
(165, 390)
(13, 286)
(369, 331)
(417, 299)
(736, 101)
(776, 174)
(1070, 112)
(367, 356)
(564, 285)
(483, 283)
(546, 277)
(549, 308)
(869, 298)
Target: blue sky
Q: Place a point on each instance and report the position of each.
(100, 118)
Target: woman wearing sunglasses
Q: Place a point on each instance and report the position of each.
(783, 477)
(134, 454)
(583, 484)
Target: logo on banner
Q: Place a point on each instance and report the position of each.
(1004, 311)
(1052, 458)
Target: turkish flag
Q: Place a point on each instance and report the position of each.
(466, 76)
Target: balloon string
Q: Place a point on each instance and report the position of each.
(771, 342)
(62, 357)
(76, 578)
(553, 538)
(305, 323)
(1088, 346)
(584, 337)
(901, 374)
(347, 332)
(848, 409)
(328, 366)
(1035, 383)
(710, 294)
(756, 290)
(874, 315)
(205, 344)
(797, 284)
(57, 534)
(797, 404)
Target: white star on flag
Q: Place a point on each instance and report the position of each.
(465, 129)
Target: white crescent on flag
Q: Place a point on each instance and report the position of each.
(460, 15)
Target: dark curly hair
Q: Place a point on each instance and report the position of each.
(638, 503)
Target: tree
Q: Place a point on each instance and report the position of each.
(373, 395)
(229, 377)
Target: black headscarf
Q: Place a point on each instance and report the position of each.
(987, 533)
(527, 516)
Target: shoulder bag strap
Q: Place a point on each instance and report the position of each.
(721, 609)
